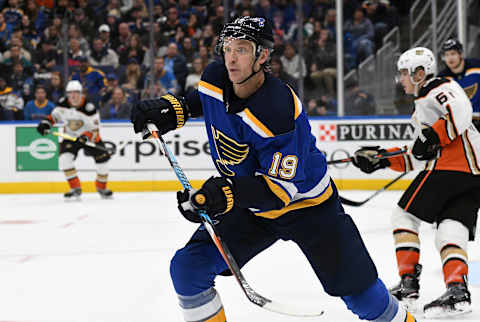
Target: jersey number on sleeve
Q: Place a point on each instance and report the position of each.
(287, 164)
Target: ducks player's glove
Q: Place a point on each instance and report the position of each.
(365, 161)
(168, 112)
(216, 197)
(43, 127)
(426, 150)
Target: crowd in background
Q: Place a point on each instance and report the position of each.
(105, 44)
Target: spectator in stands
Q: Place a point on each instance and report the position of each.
(188, 51)
(104, 35)
(112, 23)
(102, 56)
(18, 39)
(362, 32)
(51, 32)
(14, 41)
(319, 107)
(175, 63)
(292, 63)
(86, 24)
(169, 27)
(134, 50)
(74, 32)
(117, 107)
(112, 83)
(207, 36)
(263, 8)
(358, 102)
(163, 80)
(121, 42)
(132, 81)
(330, 21)
(38, 15)
(45, 57)
(5, 32)
(21, 83)
(11, 105)
(29, 31)
(322, 62)
(13, 13)
(16, 58)
(93, 80)
(40, 107)
(55, 88)
(75, 52)
(194, 77)
(277, 71)
(383, 17)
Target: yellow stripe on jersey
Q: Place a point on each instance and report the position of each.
(278, 191)
(257, 122)
(297, 103)
(219, 317)
(473, 70)
(210, 87)
(272, 214)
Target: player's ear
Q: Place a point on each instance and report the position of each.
(263, 56)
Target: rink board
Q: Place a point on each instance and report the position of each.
(30, 164)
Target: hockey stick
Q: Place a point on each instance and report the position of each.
(87, 143)
(252, 296)
(383, 155)
(353, 203)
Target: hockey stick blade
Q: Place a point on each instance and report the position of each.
(354, 203)
(251, 294)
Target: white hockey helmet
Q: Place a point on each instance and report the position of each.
(418, 57)
(74, 86)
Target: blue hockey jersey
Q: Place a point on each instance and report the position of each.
(268, 135)
(469, 79)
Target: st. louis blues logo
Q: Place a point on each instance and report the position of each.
(229, 152)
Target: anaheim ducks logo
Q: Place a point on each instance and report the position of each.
(74, 124)
(229, 151)
(471, 90)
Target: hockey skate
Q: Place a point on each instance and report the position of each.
(407, 291)
(105, 193)
(73, 195)
(455, 301)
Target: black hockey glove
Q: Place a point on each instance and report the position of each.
(216, 197)
(43, 127)
(365, 161)
(83, 139)
(168, 112)
(426, 150)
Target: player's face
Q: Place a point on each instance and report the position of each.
(452, 58)
(75, 98)
(406, 82)
(239, 58)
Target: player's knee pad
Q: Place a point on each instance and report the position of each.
(102, 168)
(369, 304)
(450, 231)
(66, 161)
(205, 306)
(404, 220)
(194, 268)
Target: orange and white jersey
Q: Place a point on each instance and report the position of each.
(82, 120)
(443, 105)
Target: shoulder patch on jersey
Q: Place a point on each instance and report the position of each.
(430, 85)
(273, 109)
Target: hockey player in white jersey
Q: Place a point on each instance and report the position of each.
(81, 120)
(447, 190)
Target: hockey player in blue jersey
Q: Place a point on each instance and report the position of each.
(465, 71)
(273, 183)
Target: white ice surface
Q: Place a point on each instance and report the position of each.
(108, 261)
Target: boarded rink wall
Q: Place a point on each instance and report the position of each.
(29, 163)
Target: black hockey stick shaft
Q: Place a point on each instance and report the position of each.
(383, 155)
(354, 203)
(251, 294)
